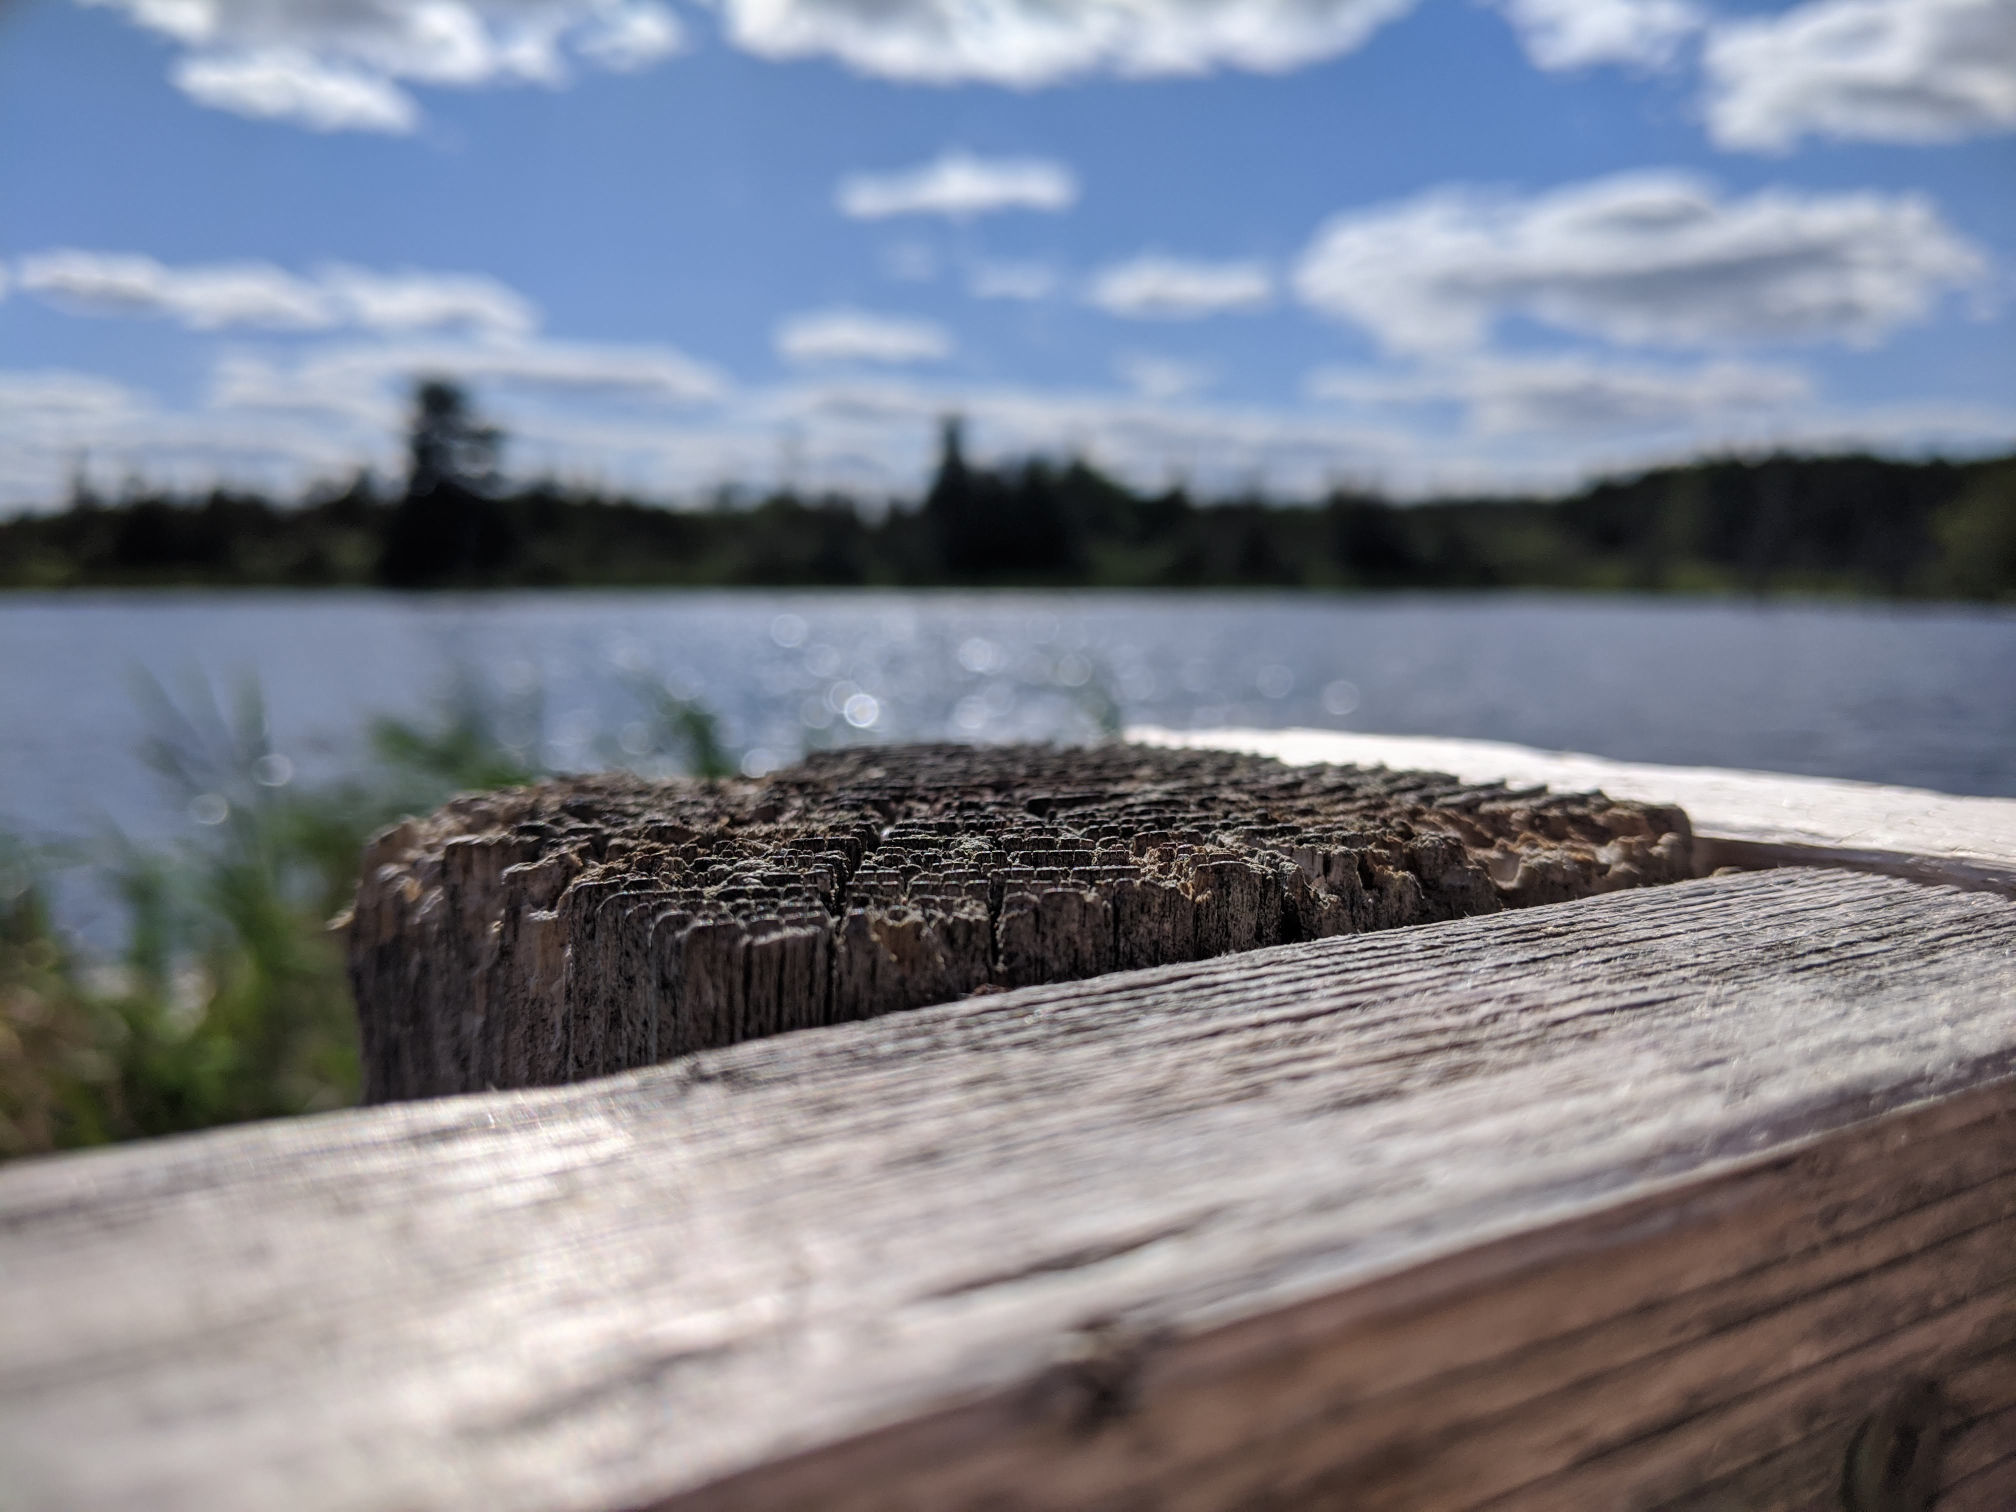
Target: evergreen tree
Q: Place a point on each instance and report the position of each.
(449, 528)
(986, 524)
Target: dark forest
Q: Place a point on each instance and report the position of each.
(1833, 525)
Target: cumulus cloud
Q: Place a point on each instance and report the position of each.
(285, 84)
(316, 415)
(56, 394)
(370, 382)
(1874, 70)
(1505, 423)
(1575, 392)
(959, 186)
(337, 65)
(53, 421)
(880, 434)
(212, 296)
(823, 336)
(1642, 258)
(888, 429)
(1154, 287)
(1566, 34)
(204, 297)
(283, 421)
(1927, 427)
(1031, 43)
(1569, 394)
(629, 38)
(1011, 280)
(657, 373)
(416, 301)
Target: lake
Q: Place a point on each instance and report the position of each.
(1924, 696)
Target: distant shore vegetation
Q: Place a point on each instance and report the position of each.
(1850, 525)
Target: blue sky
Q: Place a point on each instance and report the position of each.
(1413, 244)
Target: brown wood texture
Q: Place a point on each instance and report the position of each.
(560, 932)
(1641, 1200)
(1739, 818)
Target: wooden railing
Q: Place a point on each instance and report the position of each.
(1701, 1195)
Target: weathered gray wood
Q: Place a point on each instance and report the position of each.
(565, 931)
(1632, 1201)
(1739, 818)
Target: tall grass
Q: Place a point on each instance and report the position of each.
(228, 1000)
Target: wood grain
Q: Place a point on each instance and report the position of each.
(1740, 818)
(1640, 1200)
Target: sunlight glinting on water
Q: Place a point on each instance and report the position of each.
(1921, 697)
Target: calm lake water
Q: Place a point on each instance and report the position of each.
(1923, 696)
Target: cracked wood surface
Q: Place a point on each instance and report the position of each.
(1739, 818)
(1644, 1199)
(560, 932)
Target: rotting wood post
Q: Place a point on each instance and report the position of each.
(556, 933)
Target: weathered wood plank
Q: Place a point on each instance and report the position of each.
(1739, 818)
(1551, 1409)
(1607, 1204)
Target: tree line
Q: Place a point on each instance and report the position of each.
(1844, 524)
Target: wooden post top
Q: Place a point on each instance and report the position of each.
(586, 926)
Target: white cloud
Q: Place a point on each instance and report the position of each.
(282, 424)
(881, 434)
(1929, 427)
(285, 84)
(336, 65)
(1506, 423)
(204, 297)
(415, 301)
(1031, 43)
(1570, 393)
(1155, 377)
(1645, 258)
(860, 336)
(1566, 34)
(1875, 70)
(658, 374)
(959, 186)
(1011, 280)
(369, 383)
(53, 422)
(211, 296)
(1154, 287)
(55, 395)
(627, 38)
